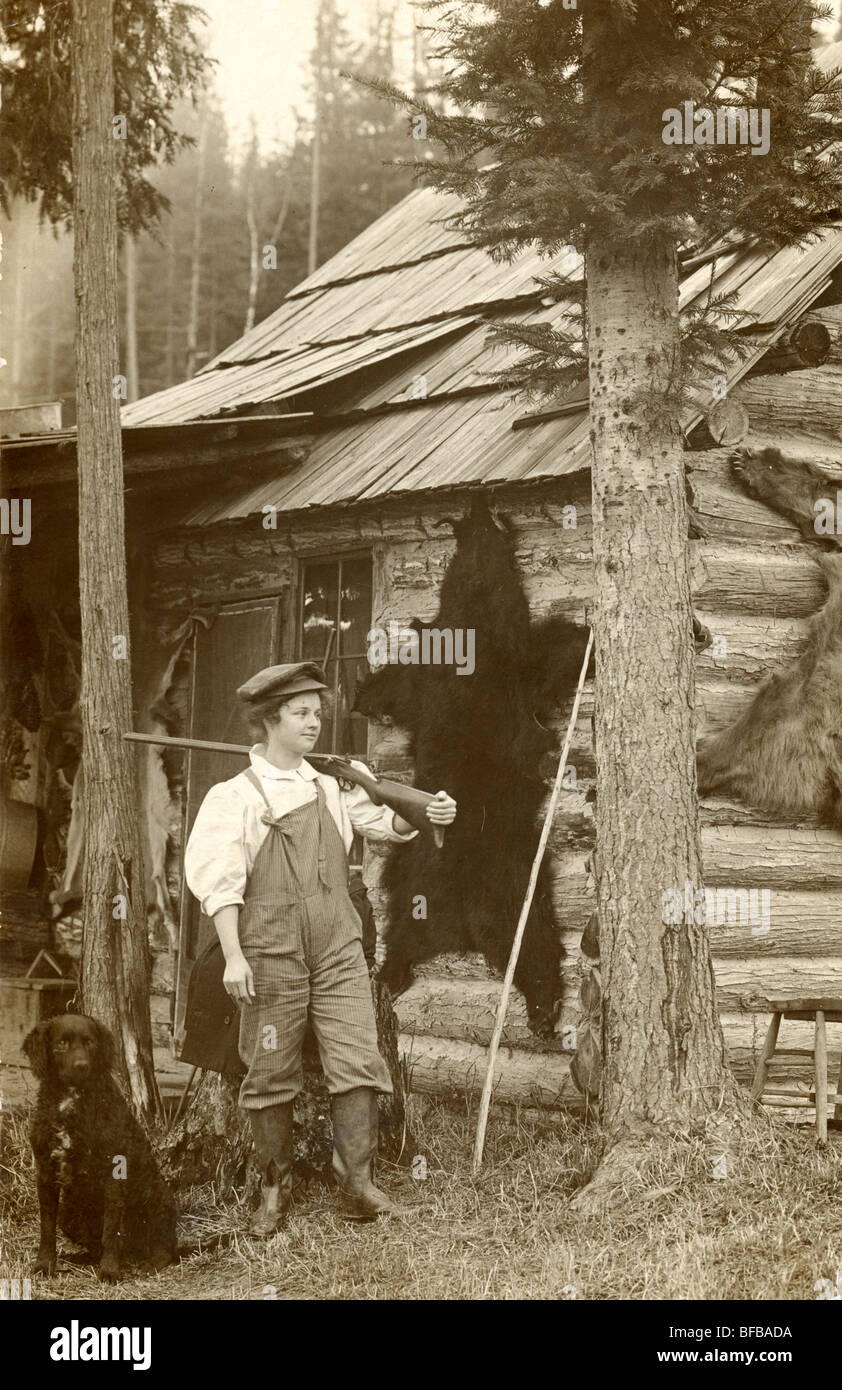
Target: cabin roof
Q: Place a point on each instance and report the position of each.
(388, 345)
(381, 440)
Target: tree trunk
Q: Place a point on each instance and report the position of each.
(313, 231)
(211, 1141)
(196, 262)
(115, 953)
(213, 315)
(254, 256)
(274, 239)
(169, 354)
(132, 376)
(664, 1060)
(23, 247)
(322, 69)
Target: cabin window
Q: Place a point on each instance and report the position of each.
(334, 617)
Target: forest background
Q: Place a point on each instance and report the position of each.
(193, 286)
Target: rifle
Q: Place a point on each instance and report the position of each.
(410, 803)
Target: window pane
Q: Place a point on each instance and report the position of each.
(321, 594)
(323, 608)
(351, 729)
(356, 605)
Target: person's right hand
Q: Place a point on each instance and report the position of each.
(238, 980)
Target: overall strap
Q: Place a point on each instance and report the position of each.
(256, 782)
(321, 802)
(323, 811)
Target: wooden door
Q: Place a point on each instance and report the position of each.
(238, 641)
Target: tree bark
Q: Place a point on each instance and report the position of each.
(115, 953)
(315, 181)
(23, 247)
(664, 1059)
(322, 78)
(251, 221)
(254, 264)
(169, 354)
(196, 262)
(132, 374)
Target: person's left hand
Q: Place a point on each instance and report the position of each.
(442, 811)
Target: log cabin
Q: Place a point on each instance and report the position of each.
(290, 496)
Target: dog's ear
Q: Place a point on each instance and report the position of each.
(37, 1048)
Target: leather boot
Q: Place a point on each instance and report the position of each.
(272, 1131)
(355, 1121)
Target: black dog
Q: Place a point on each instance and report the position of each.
(96, 1170)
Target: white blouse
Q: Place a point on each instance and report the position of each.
(229, 830)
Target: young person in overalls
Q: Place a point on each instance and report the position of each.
(267, 859)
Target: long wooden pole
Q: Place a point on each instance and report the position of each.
(482, 1122)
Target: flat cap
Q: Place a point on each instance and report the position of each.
(291, 679)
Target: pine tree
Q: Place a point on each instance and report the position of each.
(165, 254)
(575, 106)
(157, 58)
(38, 281)
(363, 140)
(366, 141)
(115, 955)
(360, 139)
(77, 59)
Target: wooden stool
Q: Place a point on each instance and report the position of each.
(822, 1012)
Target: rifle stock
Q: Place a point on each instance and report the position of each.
(409, 802)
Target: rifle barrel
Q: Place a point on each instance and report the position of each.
(202, 744)
(242, 749)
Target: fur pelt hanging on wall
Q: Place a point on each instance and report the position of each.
(481, 738)
(794, 487)
(784, 754)
(158, 813)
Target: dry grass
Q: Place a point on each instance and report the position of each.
(770, 1230)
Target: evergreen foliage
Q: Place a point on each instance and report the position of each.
(363, 140)
(158, 58)
(552, 131)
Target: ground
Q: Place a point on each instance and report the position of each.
(771, 1229)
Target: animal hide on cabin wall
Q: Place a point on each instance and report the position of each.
(21, 654)
(784, 754)
(479, 737)
(158, 811)
(160, 814)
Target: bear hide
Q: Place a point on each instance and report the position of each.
(479, 737)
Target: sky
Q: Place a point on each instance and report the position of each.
(262, 49)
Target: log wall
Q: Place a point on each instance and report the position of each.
(755, 584)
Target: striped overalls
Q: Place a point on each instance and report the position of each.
(303, 940)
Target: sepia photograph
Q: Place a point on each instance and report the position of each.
(421, 668)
